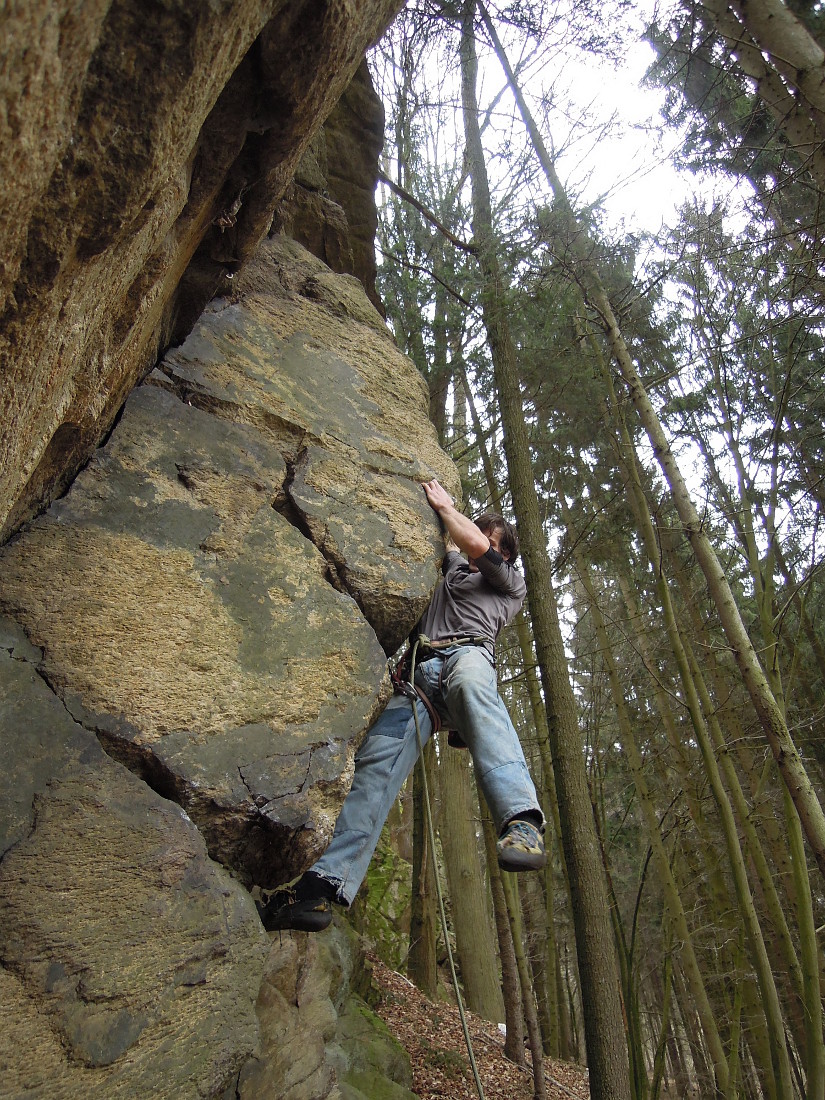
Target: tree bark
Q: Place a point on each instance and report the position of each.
(598, 971)
(513, 1017)
(796, 123)
(793, 52)
(527, 998)
(474, 938)
(672, 899)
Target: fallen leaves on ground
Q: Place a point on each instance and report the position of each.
(433, 1037)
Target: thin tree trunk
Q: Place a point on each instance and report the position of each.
(513, 1017)
(474, 938)
(805, 1011)
(527, 998)
(770, 713)
(744, 898)
(658, 1072)
(672, 899)
(542, 963)
(598, 972)
(421, 962)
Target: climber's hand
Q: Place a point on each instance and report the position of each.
(458, 528)
(437, 495)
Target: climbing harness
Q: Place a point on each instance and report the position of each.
(403, 679)
(413, 694)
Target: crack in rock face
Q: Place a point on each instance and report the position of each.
(125, 950)
(181, 591)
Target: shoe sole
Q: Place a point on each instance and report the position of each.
(306, 922)
(522, 861)
(311, 920)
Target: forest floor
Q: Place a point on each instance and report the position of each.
(434, 1039)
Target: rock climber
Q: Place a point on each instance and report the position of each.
(472, 603)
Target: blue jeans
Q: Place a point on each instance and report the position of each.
(461, 684)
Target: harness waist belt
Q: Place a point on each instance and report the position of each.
(428, 647)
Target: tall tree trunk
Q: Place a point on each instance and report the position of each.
(598, 971)
(792, 116)
(534, 910)
(421, 962)
(513, 1017)
(558, 1026)
(475, 942)
(527, 998)
(793, 52)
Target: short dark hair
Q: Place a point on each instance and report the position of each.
(492, 521)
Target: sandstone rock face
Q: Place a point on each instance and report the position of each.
(330, 205)
(194, 641)
(211, 593)
(192, 637)
(130, 961)
(145, 147)
(318, 1036)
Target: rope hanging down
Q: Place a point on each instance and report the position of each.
(413, 697)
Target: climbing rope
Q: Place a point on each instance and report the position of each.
(413, 697)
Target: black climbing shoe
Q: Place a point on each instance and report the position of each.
(520, 847)
(304, 907)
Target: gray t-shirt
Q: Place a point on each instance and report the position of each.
(479, 604)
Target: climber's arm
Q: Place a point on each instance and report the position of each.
(461, 530)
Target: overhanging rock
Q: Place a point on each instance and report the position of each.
(145, 147)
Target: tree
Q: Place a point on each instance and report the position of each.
(606, 1047)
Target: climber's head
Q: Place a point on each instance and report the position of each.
(502, 534)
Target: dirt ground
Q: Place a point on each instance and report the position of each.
(433, 1037)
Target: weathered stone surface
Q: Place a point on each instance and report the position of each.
(195, 629)
(129, 962)
(148, 145)
(183, 612)
(340, 406)
(330, 205)
(354, 134)
(368, 1061)
(203, 603)
(318, 1037)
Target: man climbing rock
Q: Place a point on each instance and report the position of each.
(455, 671)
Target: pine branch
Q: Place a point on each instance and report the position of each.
(428, 214)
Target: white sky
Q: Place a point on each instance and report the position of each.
(630, 167)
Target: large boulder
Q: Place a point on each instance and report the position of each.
(213, 594)
(130, 962)
(145, 147)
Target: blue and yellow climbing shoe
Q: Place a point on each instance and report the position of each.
(520, 847)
